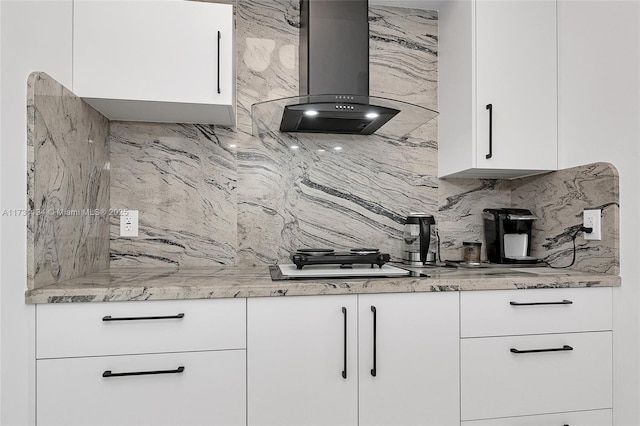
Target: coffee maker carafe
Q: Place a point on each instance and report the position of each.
(420, 240)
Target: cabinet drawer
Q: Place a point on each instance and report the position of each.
(511, 312)
(581, 418)
(84, 329)
(210, 390)
(496, 382)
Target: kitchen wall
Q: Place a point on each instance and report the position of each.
(213, 195)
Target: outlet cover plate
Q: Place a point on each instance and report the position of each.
(129, 223)
(591, 219)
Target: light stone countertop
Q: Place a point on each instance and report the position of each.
(128, 284)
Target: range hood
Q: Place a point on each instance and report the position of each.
(334, 80)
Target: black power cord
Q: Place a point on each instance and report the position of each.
(575, 234)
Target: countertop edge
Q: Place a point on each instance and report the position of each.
(226, 287)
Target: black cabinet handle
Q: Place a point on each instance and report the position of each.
(344, 371)
(375, 338)
(110, 318)
(531, 351)
(108, 373)
(490, 154)
(219, 36)
(564, 302)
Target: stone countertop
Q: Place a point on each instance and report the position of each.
(128, 284)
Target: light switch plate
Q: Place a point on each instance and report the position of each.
(129, 223)
(591, 219)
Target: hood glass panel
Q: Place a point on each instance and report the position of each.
(267, 116)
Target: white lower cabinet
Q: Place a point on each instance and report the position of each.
(520, 375)
(141, 363)
(192, 388)
(536, 357)
(512, 357)
(310, 360)
(416, 368)
(577, 418)
(301, 361)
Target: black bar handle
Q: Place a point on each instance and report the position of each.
(110, 318)
(375, 339)
(564, 302)
(344, 371)
(219, 36)
(490, 154)
(108, 373)
(530, 351)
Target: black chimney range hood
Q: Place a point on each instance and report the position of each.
(334, 79)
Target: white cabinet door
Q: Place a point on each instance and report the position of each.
(503, 54)
(139, 327)
(210, 390)
(416, 366)
(516, 70)
(536, 374)
(535, 311)
(300, 369)
(144, 60)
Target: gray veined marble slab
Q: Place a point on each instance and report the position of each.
(68, 176)
(558, 200)
(182, 180)
(128, 284)
(308, 190)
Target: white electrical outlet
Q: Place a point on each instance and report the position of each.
(591, 219)
(129, 223)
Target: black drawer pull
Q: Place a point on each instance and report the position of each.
(110, 318)
(490, 154)
(564, 302)
(219, 37)
(344, 371)
(374, 370)
(108, 373)
(531, 351)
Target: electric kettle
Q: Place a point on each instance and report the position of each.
(420, 240)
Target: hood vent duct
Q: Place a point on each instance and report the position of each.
(334, 80)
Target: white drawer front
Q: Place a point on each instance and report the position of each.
(578, 418)
(79, 329)
(210, 390)
(504, 312)
(495, 382)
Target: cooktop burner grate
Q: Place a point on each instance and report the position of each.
(357, 256)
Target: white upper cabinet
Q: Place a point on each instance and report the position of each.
(159, 61)
(497, 88)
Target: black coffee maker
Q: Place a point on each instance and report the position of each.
(507, 235)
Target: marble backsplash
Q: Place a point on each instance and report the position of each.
(212, 195)
(68, 191)
(556, 198)
(183, 181)
(284, 190)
